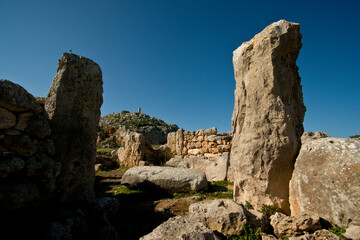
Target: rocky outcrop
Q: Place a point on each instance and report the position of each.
(73, 107)
(154, 130)
(311, 135)
(353, 232)
(268, 115)
(215, 168)
(326, 180)
(182, 228)
(285, 226)
(226, 216)
(165, 178)
(201, 143)
(28, 170)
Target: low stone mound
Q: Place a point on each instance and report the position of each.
(165, 178)
(181, 228)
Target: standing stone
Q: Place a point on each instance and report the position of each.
(133, 151)
(179, 141)
(268, 115)
(73, 106)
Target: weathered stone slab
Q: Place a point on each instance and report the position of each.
(226, 216)
(268, 115)
(214, 168)
(166, 178)
(182, 228)
(73, 106)
(326, 180)
(15, 98)
(286, 226)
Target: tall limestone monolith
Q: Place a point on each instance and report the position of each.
(73, 106)
(268, 115)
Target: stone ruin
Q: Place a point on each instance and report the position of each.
(201, 143)
(48, 146)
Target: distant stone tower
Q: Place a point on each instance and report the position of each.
(139, 110)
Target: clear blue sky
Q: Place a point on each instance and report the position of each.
(174, 58)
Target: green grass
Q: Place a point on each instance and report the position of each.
(337, 231)
(104, 151)
(249, 205)
(268, 210)
(215, 190)
(247, 233)
(122, 189)
(121, 169)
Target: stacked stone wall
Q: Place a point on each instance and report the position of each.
(206, 143)
(27, 168)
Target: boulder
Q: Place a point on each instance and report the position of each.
(286, 226)
(352, 232)
(73, 107)
(268, 115)
(33, 124)
(316, 135)
(7, 119)
(166, 178)
(324, 234)
(226, 216)
(326, 180)
(214, 168)
(15, 98)
(184, 228)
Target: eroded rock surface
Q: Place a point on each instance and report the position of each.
(226, 216)
(286, 226)
(268, 115)
(215, 168)
(326, 180)
(182, 228)
(166, 178)
(73, 107)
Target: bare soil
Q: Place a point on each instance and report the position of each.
(140, 212)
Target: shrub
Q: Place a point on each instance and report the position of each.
(337, 231)
(247, 233)
(268, 210)
(249, 205)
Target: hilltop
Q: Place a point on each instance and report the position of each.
(154, 129)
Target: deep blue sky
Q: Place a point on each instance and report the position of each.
(174, 58)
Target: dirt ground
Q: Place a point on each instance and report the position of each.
(140, 212)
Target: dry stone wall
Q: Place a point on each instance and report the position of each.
(28, 170)
(201, 143)
(47, 147)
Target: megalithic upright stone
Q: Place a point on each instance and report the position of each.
(73, 106)
(268, 115)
